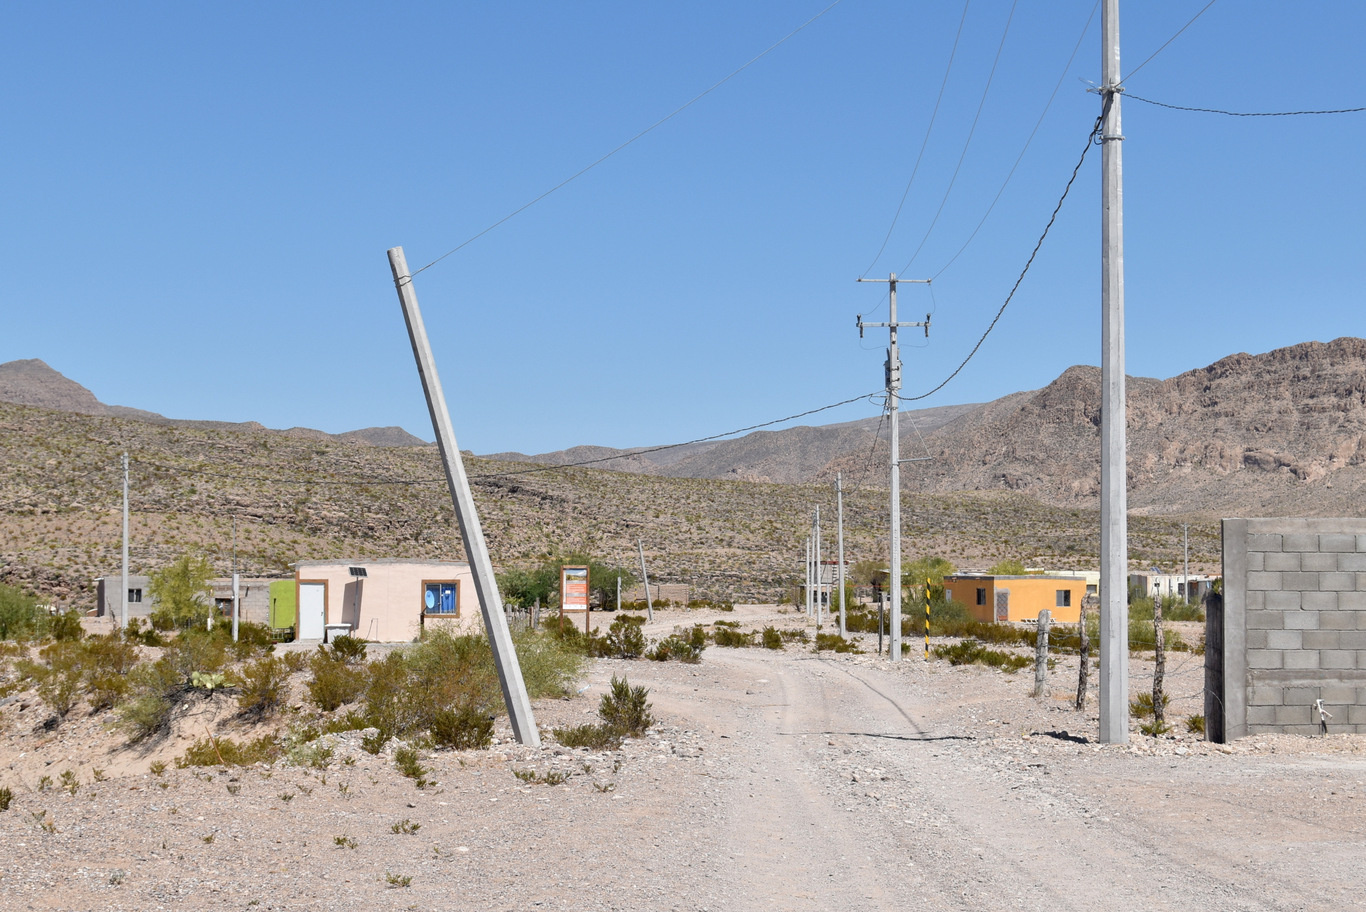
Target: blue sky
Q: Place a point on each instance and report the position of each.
(198, 200)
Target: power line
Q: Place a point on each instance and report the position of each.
(925, 142)
(1167, 42)
(651, 127)
(1090, 138)
(968, 142)
(674, 446)
(1162, 104)
(1032, 134)
(372, 482)
(52, 490)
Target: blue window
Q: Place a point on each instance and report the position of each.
(441, 599)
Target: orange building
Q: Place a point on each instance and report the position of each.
(1017, 598)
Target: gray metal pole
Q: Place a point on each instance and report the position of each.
(123, 590)
(806, 588)
(645, 577)
(839, 523)
(1114, 529)
(485, 585)
(820, 573)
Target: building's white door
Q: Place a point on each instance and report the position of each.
(312, 609)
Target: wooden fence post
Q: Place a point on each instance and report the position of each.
(1041, 654)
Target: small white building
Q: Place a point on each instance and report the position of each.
(1159, 585)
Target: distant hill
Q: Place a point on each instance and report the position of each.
(32, 382)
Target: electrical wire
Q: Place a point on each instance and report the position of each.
(1130, 74)
(663, 120)
(925, 142)
(1032, 133)
(968, 142)
(1162, 104)
(348, 482)
(52, 490)
(674, 446)
(1089, 140)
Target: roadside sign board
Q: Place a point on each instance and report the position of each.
(574, 592)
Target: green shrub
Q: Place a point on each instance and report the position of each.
(833, 642)
(227, 752)
(772, 639)
(333, 683)
(726, 636)
(626, 708)
(1196, 724)
(625, 638)
(971, 652)
(6, 798)
(409, 764)
(155, 689)
(594, 737)
(66, 626)
(349, 649)
(1142, 705)
(461, 729)
(263, 687)
(20, 616)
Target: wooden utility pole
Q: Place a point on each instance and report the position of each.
(1083, 656)
(1041, 653)
(1114, 525)
(485, 584)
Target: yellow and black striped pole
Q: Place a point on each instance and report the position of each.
(927, 619)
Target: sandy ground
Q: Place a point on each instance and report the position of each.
(774, 780)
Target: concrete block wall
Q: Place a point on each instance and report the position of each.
(1291, 631)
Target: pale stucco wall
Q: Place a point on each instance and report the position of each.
(386, 606)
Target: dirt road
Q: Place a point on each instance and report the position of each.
(775, 780)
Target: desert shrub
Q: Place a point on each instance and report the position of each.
(65, 626)
(625, 638)
(461, 729)
(409, 763)
(626, 708)
(547, 667)
(1142, 704)
(262, 687)
(772, 639)
(349, 649)
(1196, 724)
(154, 691)
(674, 647)
(971, 652)
(333, 683)
(227, 752)
(833, 642)
(795, 635)
(20, 616)
(600, 736)
(6, 798)
(295, 662)
(182, 594)
(141, 633)
(198, 650)
(727, 636)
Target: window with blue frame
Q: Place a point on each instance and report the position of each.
(441, 598)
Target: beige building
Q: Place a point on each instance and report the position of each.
(384, 601)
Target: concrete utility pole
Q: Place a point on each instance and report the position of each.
(808, 576)
(123, 590)
(1114, 525)
(893, 372)
(645, 578)
(1186, 562)
(839, 523)
(235, 588)
(485, 585)
(820, 574)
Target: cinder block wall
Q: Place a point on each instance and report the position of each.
(1292, 629)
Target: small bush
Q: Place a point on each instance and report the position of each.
(466, 728)
(1196, 724)
(409, 764)
(349, 649)
(625, 638)
(728, 637)
(6, 798)
(262, 687)
(833, 642)
(626, 708)
(772, 639)
(593, 737)
(227, 752)
(971, 652)
(1142, 705)
(334, 683)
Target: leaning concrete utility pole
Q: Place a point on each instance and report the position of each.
(839, 523)
(820, 574)
(236, 588)
(893, 372)
(515, 696)
(645, 577)
(123, 596)
(1114, 527)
